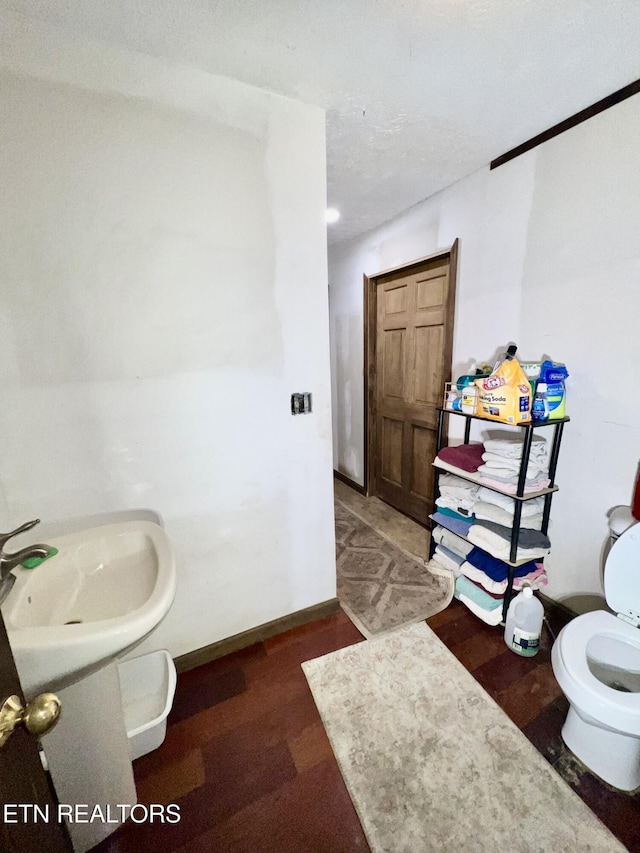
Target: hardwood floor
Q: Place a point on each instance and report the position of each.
(247, 759)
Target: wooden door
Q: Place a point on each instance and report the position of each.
(412, 361)
(23, 781)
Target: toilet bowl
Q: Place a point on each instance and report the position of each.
(596, 661)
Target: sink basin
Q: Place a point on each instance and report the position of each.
(102, 594)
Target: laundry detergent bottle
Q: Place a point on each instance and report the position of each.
(523, 625)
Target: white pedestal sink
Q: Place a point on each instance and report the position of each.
(107, 588)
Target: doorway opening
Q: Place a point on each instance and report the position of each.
(408, 342)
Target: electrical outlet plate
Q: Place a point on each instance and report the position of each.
(301, 403)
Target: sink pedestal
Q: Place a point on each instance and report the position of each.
(88, 756)
(106, 589)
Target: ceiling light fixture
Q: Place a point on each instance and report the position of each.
(332, 215)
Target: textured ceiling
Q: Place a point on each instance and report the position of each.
(418, 93)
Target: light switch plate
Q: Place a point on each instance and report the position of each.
(301, 403)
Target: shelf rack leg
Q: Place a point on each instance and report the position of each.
(555, 451)
(436, 479)
(467, 430)
(515, 530)
(553, 462)
(524, 462)
(507, 595)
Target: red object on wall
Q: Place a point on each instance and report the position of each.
(635, 509)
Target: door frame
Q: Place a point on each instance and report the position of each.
(23, 779)
(370, 314)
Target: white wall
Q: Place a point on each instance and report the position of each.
(549, 258)
(164, 290)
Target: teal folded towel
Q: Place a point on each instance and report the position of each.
(467, 588)
(457, 515)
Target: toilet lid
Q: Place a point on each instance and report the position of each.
(622, 574)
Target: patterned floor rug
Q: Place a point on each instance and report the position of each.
(380, 587)
(432, 764)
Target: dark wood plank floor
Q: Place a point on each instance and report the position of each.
(247, 759)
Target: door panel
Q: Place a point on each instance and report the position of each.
(413, 335)
(23, 780)
(392, 451)
(423, 452)
(431, 291)
(393, 355)
(428, 361)
(395, 300)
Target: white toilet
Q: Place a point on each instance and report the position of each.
(596, 661)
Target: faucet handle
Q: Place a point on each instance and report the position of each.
(4, 537)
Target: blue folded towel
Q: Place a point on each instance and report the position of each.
(459, 527)
(451, 513)
(456, 558)
(495, 568)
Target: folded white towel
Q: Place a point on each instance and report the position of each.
(446, 562)
(453, 486)
(512, 447)
(490, 469)
(491, 512)
(462, 507)
(535, 466)
(532, 507)
(491, 617)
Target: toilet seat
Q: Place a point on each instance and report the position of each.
(603, 723)
(616, 709)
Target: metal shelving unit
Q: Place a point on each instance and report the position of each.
(520, 497)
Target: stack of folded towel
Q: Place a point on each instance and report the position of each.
(457, 495)
(453, 521)
(464, 457)
(501, 464)
(483, 582)
(493, 506)
(486, 607)
(496, 539)
(492, 574)
(454, 507)
(451, 551)
(462, 505)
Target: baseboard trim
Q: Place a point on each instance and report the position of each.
(256, 635)
(349, 482)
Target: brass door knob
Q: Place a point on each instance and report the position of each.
(38, 718)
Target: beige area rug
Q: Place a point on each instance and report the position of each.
(433, 764)
(380, 586)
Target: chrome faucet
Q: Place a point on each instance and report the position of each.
(10, 561)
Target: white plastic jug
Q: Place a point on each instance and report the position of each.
(523, 625)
